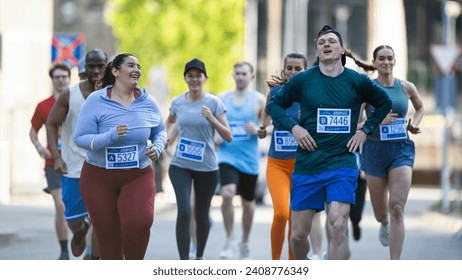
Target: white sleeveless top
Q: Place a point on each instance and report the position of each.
(71, 154)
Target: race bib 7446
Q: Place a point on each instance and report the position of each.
(333, 120)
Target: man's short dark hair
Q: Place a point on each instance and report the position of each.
(59, 65)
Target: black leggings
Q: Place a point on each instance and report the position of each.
(205, 184)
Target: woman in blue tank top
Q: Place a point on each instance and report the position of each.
(388, 153)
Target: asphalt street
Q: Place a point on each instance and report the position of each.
(27, 233)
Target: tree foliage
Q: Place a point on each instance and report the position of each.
(172, 32)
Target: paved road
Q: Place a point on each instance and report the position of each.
(26, 231)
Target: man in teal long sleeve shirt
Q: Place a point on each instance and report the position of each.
(330, 98)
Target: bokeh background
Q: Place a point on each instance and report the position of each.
(165, 34)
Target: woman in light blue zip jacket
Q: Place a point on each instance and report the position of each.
(121, 127)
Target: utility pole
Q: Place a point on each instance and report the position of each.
(451, 11)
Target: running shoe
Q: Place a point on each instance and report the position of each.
(384, 233)
(192, 251)
(87, 253)
(315, 257)
(244, 252)
(229, 251)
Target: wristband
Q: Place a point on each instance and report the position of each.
(366, 130)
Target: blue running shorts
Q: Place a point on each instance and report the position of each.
(314, 190)
(379, 157)
(75, 209)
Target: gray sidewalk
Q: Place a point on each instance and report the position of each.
(27, 230)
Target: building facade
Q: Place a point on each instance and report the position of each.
(273, 28)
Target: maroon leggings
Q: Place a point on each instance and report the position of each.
(121, 207)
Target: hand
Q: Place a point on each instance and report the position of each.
(304, 139)
(150, 152)
(412, 129)
(251, 128)
(60, 166)
(261, 132)
(356, 142)
(43, 152)
(122, 130)
(206, 112)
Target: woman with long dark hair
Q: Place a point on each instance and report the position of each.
(121, 127)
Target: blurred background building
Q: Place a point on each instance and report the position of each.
(273, 28)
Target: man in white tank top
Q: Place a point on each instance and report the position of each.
(69, 161)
